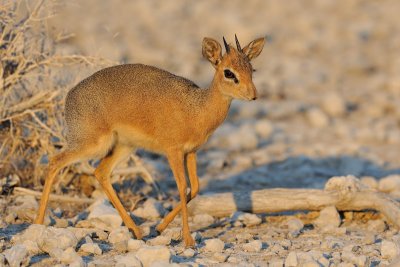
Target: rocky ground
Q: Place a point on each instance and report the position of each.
(329, 83)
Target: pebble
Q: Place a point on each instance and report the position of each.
(311, 263)
(328, 217)
(220, 257)
(175, 233)
(151, 209)
(189, 253)
(16, 255)
(70, 257)
(119, 234)
(147, 255)
(27, 207)
(121, 246)
(203, 220)
(128, 260)
(159, 240)
(91, 248)
(389, 183)
(253, 246)
(33, 232)
(214, 245)
(248, 219)
(369, 181)
(291, 259)
(333, 104)
(135, 244)
(357, 260)
(105, 212)
(264, 128)
(376, 226)
(56, 238)
(294, 225)
(276, 263)
(389, 249)
(317, 118)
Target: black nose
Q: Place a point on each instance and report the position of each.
(254, 98)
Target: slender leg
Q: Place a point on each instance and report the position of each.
(56, 164)
(103, 172)
(176, 162)
(194, 189)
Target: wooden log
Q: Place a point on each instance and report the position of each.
(345, 193)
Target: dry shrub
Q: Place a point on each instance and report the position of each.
(32, 88)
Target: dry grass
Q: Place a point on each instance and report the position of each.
(31, 94)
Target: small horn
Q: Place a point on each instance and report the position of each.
(226, 45)
(237, 44)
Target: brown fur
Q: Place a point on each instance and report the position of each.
(121, 108)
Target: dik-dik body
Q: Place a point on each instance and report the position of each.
(121, 108)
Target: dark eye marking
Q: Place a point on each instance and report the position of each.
(230, 75)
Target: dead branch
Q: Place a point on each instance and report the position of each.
(345, 193)
(53, 197)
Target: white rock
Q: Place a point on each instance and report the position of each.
(203, 220)
(220, 257)
(370, 181)
(348, 256)
(328, 217)
(33, 232)
(253, 246)
(128, 260)
(147, 255)
(119, 234)
(317, 118)
(151, 209)
(276, 263)
(291, 259)
(70, 257)
(214, 245)
(91, 248)
(310, 264)
(135, 244)
(295, 225)
(377, 226)
(175, 233)
(189, 253)
(159, 240)
(53, 238)
(32, 247)
(264, 128)
(27, 207)
(389, 249)
(333, 104)
(248, 219)
(389, 183)
(16, 255)
(105, 212)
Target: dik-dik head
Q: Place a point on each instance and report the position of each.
(233, 69)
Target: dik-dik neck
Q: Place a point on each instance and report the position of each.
(215, 107)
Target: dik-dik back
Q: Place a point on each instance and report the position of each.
(142, 106)
(125, 107)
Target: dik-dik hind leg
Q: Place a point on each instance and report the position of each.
(176, 162)
(55, 165)
(103, 172)
(194, 189)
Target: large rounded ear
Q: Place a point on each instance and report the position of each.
(212, 51)
(254, 48)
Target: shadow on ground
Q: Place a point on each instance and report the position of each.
(298, 172)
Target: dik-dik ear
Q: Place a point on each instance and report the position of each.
(254, 48)
(212, 51)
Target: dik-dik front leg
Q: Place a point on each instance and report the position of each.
(176, 162)
(194, 189)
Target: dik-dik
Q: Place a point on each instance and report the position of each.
(122, 108)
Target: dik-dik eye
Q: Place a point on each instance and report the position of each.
(230, 75)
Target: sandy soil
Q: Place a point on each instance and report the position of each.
(329, 81)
